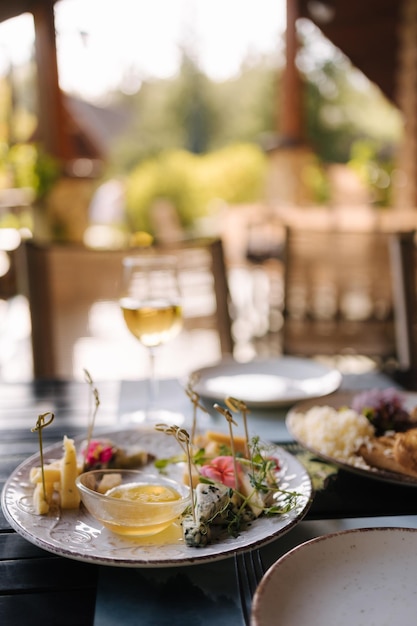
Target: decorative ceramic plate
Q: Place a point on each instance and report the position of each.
(360, 577)
(267, 383)
(336, 401)
(75, 534)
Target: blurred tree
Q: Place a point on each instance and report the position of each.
(193, 113)
(192, 108)
(190, 112)
(192, 183)
(375, 167)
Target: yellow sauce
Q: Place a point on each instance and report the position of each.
(144, 493)
(147, 518)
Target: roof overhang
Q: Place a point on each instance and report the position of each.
(366, 31)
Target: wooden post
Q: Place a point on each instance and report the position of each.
(290, 122)
(405, 187)
(53, 122)
(289, 155)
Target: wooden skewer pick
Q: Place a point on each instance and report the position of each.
(195, 399)
(230, 421)
(238, 405)
(183, 438)
(40, 425)
(92, 412)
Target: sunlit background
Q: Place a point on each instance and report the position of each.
(104, 45)
(187, 93)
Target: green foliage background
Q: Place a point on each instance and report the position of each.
(192, 141)
(190, 182)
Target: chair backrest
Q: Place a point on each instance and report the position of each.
(403, 252)
(337, 293)
(66, 283)
(204, 287)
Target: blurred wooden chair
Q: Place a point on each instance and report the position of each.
(337, 292)
(403, 250)
(65, 281)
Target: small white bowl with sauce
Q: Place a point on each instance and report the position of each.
(135, 503)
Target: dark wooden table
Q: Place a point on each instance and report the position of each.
(40, 588)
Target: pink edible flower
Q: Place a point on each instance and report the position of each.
(221, 470)
(276, 463)
(99, 452)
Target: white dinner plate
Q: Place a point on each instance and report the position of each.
(338, 400)
(355, 577)
(75, 534)
(279, 381)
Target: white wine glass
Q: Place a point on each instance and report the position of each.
(151, 305)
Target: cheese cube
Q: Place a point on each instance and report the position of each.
(52, 473)
(41, 503)
(69, 496)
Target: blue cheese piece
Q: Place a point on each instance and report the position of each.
(210, 500)
(196, 534)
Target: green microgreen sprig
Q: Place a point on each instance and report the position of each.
(262, 471)
(262, 478)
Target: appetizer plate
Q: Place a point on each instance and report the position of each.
(360, 577)
(338, 400)
(268, 382)
(77, 535)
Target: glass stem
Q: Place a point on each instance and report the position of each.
(153, 381)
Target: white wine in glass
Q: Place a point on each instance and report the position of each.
(151, 307)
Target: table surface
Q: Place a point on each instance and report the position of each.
(38, 587)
